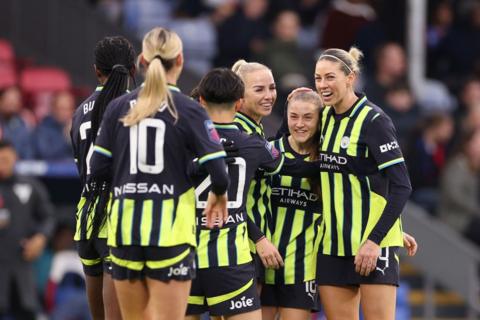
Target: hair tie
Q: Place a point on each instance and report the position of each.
(121, 68)
(336, 58)
(158, 57)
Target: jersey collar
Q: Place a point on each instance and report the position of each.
(98, 88)
(249, 121)
(359, 104)
(173, 87)
(230, 126)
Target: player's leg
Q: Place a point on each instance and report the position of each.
(197, 304)
(167, 301)
(251, 315)
(340, 303)
(128, 278)
(295, 314)
(269, 313)
(111, 305)
(379, 290)
(93, 268)
(378, 301)
(169, 271)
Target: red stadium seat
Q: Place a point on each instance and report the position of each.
(7, 55)
(35, 80)
(8, 76)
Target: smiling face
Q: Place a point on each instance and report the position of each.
(303, 120)
(260, 94)
(331, 82)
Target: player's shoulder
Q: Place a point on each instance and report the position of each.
(84, 108)
(185, 104)
(122, 104)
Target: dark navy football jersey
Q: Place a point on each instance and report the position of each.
(82, 140)
(228, 245)
(153, 196)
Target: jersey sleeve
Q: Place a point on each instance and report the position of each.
(271, 159)
(75, 142)
(201, 135)
(382, 143)
(102, 150)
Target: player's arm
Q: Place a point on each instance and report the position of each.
(382, 144)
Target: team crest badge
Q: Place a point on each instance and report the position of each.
(211, 131)
(345, 142)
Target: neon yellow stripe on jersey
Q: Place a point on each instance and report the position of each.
(390, 163)
(340, 133)
(183, 229)
(281, 215)
(356, 235)
(112, 226)
(79, 218)
(167, 221)
(146, 223)
(222, 247)
(197, 300)
(202, 249)
(127, 221)
(102, 151)
(311, 249)
(242, 244)
(212, 156)
(224, 297)
(297, 226)
(337, 177)
(327, 220)
(328, 135)
(168, 262)
(355, 134)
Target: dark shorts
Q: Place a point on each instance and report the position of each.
(224, 291)
(340, 271)
(299, 296)
(259, 268)
(159, 263)
(95, 256)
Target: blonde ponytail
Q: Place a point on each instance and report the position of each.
(242, 67)
(160, 48)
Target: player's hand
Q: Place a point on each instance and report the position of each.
(269, 255)
(216, 210)
(410, 244)
(33, 246)
(295, 91)
(366, 258)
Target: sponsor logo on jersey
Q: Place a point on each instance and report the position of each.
(243, 302)
(211, 131)
(389, 146)
(143, 187)
(181, 270)
(236, 218)
(288, 196)
(273, 151)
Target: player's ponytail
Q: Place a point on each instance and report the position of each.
(242, 67)
(160, 50)
(349, 61)
(115, 59)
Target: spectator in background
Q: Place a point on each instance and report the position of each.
(469, 96)
(12, 126)
(391, 68)
(243, 33)
(426, 156)
(283, 55)
(402, 109)
(460, 188)
(343, 21)
(26, 221)
(51, 139)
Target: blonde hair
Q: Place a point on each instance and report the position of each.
(350, 61)
(242, 67)
(160, 48)
(308, 97)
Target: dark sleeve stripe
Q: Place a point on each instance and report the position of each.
(211, 156)
(279, 167)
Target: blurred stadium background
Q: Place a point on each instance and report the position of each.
(422, 66)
